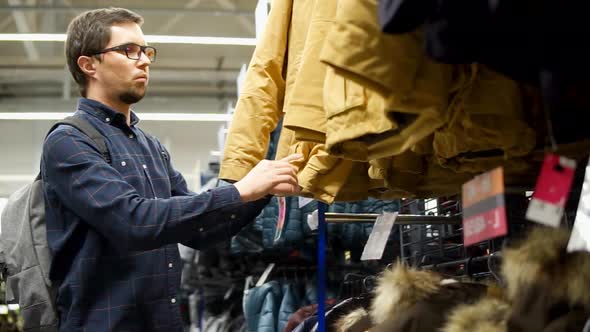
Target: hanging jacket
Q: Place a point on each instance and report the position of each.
(289, 304)
(261, 307)
(261, 234)
(267, 88)
(382, 94)
(306, 116)
(547, 289)
(269, 77)
(473, 134)
(411, 300)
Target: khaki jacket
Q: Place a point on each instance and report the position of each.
(382, 94)
(269, 88)
(271, 72)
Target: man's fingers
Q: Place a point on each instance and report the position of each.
(286, 171)
(292, 157)
(286, 178)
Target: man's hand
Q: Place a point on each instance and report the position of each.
(277, 177)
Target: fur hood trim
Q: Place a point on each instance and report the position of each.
(542, 258)
(490, 314)
(357, 320)
(399, 288)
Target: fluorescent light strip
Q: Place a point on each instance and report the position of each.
(197, 117)
(157, 39)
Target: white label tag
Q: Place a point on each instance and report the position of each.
(580, 237)
(379, 236)
(313, 220)
(265, 275)
(303, 201)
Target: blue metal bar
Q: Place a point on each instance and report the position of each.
(322, 266)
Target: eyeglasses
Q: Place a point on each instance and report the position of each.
(133, 51)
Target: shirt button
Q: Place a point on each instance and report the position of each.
(123, 163)
(233, 216)
(144, 166)
(200, 229)
(130, 135)
(170, 265)
(108, 119)
(173, 300)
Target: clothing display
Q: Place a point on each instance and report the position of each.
(374, 114)
(398, 99)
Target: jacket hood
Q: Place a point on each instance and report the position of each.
(542, 259)
(400, 287)
(489, 315)
(356, 321)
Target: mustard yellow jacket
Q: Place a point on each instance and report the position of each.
(283, 80)
(271, 72)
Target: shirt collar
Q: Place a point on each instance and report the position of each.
(104, 112)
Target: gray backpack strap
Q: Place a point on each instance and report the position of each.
(87, 128)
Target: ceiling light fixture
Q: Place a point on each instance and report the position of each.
(156, 39)
(195, 117)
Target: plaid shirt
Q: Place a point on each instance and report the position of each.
(113, 228)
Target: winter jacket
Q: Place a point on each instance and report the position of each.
(548, 289)
(267, 88)
(383, 95)
(261, 307)
(260, 105)
(411, 300)
(261, 235)
(289, 304)
(306, 116)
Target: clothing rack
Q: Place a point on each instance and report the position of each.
(331, 217)
(402, 219)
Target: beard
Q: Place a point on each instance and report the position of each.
(132, 96)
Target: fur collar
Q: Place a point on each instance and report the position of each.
(358, 320)
(543, 259)
(400, 287)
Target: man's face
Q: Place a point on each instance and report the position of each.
(120, 77)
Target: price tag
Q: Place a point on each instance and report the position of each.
(281, 220)
(552, 190)
(313, 220)
(379, 235)
(580, 238)
(484, 208)
(303, 201)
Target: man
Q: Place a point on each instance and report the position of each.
(113, 227)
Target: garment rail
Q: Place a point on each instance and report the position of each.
(402, 219)
(332, 217)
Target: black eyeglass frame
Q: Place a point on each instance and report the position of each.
(123, 48)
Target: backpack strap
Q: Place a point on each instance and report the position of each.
(87, 128)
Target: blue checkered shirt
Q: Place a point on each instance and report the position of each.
(113, 228)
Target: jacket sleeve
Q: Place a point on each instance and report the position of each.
(97, 193)
(260, 104)
(230, 220)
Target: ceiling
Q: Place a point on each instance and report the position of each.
(185, 79)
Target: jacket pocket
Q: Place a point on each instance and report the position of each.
(341, 94)
(37, 305)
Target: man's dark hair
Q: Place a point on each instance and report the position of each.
(89, 33)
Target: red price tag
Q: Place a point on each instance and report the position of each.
(281, 219)
(552, 190)
(484, 209)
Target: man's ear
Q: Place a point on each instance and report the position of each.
(88, 65)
